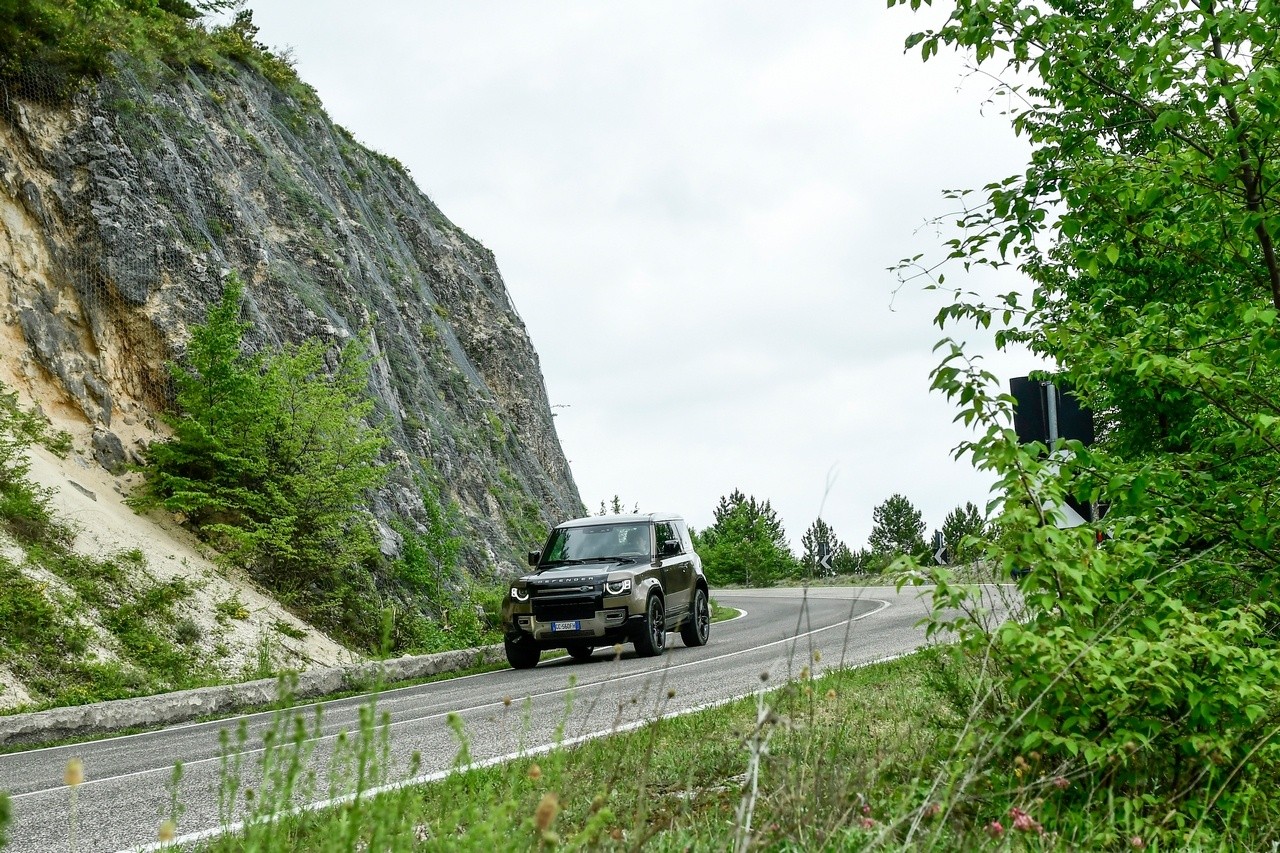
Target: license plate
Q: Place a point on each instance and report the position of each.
(566, 626)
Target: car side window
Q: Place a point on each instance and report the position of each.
(684, 536)
(665, 531)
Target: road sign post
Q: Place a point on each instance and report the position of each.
(824, 556)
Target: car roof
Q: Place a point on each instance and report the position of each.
(594, 520)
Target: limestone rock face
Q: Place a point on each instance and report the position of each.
(122, 214)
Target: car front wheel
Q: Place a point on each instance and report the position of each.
(697, 628)
(522, 652)
(652, 639)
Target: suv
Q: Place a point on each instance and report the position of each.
(604, 580)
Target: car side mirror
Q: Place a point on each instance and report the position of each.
(670, 548)
(534, 557)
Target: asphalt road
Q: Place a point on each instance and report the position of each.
(128, 789)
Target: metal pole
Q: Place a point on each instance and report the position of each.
(1051, 410)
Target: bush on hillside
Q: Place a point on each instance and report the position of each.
(271, 459)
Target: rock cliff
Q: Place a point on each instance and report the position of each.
(122, 213)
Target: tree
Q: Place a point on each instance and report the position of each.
(963, 532)
(615, 506)
(746, 544)
(271, 455)
(821, 540)
(1146, 224)
(897, 529)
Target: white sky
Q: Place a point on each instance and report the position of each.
(693, 205)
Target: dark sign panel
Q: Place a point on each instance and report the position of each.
(1045, 412)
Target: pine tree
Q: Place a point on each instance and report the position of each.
(270, 455)
(746, 544)
(821, 540)
(898, 529)
(963, 532)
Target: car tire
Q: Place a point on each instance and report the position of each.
(696, 630)
(522, 652)
(651, 640)
(580, 651)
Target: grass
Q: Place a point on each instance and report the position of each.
(47, 644)
(718, 614)
(828, 763)
(846, 760)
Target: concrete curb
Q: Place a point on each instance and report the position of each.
(184, 706)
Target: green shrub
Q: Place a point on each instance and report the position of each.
(271, 459)
(1144, 664)
(48, 48)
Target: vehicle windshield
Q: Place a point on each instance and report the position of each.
(570, 545)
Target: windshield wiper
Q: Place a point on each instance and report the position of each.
(551, 563)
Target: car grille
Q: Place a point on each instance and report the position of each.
(562, 611)
(565, 604)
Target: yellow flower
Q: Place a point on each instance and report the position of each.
(168, 831)
(535, 772)
(74, 773)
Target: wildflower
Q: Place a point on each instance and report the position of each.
(868, 823)
(671, 693)
(74, 774)
(597, 803)
(804, 673)
(545, 814)
(831, 695)
(866, 809)
(535, 772)
(1061, 783)
(168, 831)
(817, 656)
(617, 650)
(1024, 822)
(1137, 843)
(506, 701)
(764, 676)
(994, 829)
(932, 810)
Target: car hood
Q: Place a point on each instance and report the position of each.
(575, 575)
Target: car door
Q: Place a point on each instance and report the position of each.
(677, 570)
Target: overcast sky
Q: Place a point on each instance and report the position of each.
(694, 205)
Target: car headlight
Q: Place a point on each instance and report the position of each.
(621, 587)
(519, 594)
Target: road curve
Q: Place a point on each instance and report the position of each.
(128, 780)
